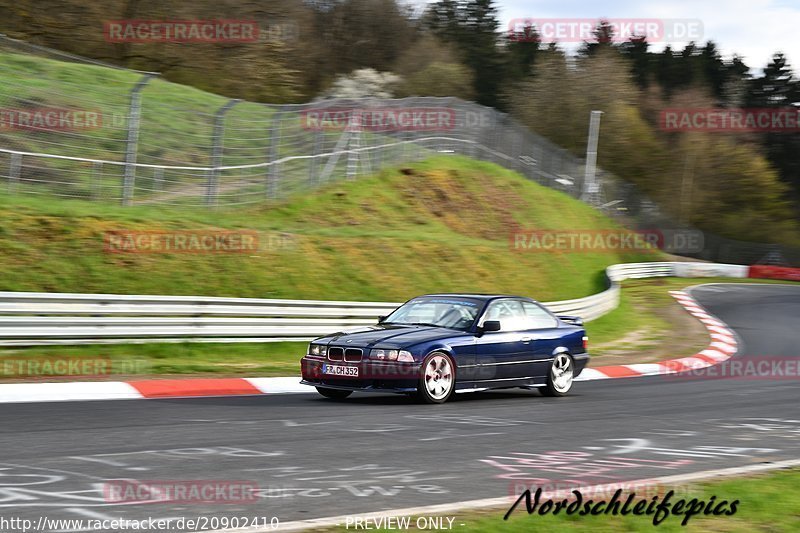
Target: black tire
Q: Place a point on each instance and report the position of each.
(334, 394)
(438, 385)
(560, 376)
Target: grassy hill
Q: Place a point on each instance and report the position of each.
(439, 225)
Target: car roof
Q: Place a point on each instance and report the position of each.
(474, 296)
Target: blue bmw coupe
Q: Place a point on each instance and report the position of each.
(435, 345)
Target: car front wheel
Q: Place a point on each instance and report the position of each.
(334, 394)
(559, 379)
(437, 378)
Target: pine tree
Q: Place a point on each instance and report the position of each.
(777, 88)
(472, 26)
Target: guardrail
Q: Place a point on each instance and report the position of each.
(29, 318)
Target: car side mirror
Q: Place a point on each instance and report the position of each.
(491, 325)
(381, 319)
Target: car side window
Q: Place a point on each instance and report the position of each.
(537, 318)
(510, 314)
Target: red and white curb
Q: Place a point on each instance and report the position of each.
(722, 347)
(155, 388)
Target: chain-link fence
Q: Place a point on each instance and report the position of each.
(73, 127)
(76, 128)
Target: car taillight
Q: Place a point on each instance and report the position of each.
(585, 342)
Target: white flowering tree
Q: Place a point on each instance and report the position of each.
(364, 83)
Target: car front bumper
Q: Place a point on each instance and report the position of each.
(373, 376)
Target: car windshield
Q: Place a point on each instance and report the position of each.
(440, 312)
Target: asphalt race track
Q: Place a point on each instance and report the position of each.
(312, 457)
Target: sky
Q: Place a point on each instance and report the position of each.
(753, 29)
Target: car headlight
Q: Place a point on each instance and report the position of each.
(384, 354)
(317, 349)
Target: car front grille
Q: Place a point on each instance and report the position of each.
(349, 355)
(353, 355)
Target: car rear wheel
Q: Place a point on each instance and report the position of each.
(334, 394)
(559, 379)
(437, 378)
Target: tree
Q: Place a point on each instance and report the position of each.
(432, 68)
(778, 89)
(439, 79)
(636, 50)
(603, 38)
(471, 26)
(667, 71)
(355, 34)
(522, 50)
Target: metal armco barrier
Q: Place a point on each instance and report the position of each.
(29, 318)
(774, 272)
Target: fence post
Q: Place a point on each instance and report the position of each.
(476, 127)
(131, 148)
(14, 170)
(158, 179)
(313, 175)
(353, 144)
(212, 186)
(273, 170)
(590, 188)
(97, 176)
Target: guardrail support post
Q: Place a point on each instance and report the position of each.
(212, 186)
(131, 148)
(273, 171)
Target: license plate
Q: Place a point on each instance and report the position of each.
(339, 370)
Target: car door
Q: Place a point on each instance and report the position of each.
(506, 354)
(542, 327)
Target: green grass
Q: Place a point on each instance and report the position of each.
(189, 359)
(439, 225)
(176, 119)
(766, 503)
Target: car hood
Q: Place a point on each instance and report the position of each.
(400, 336)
